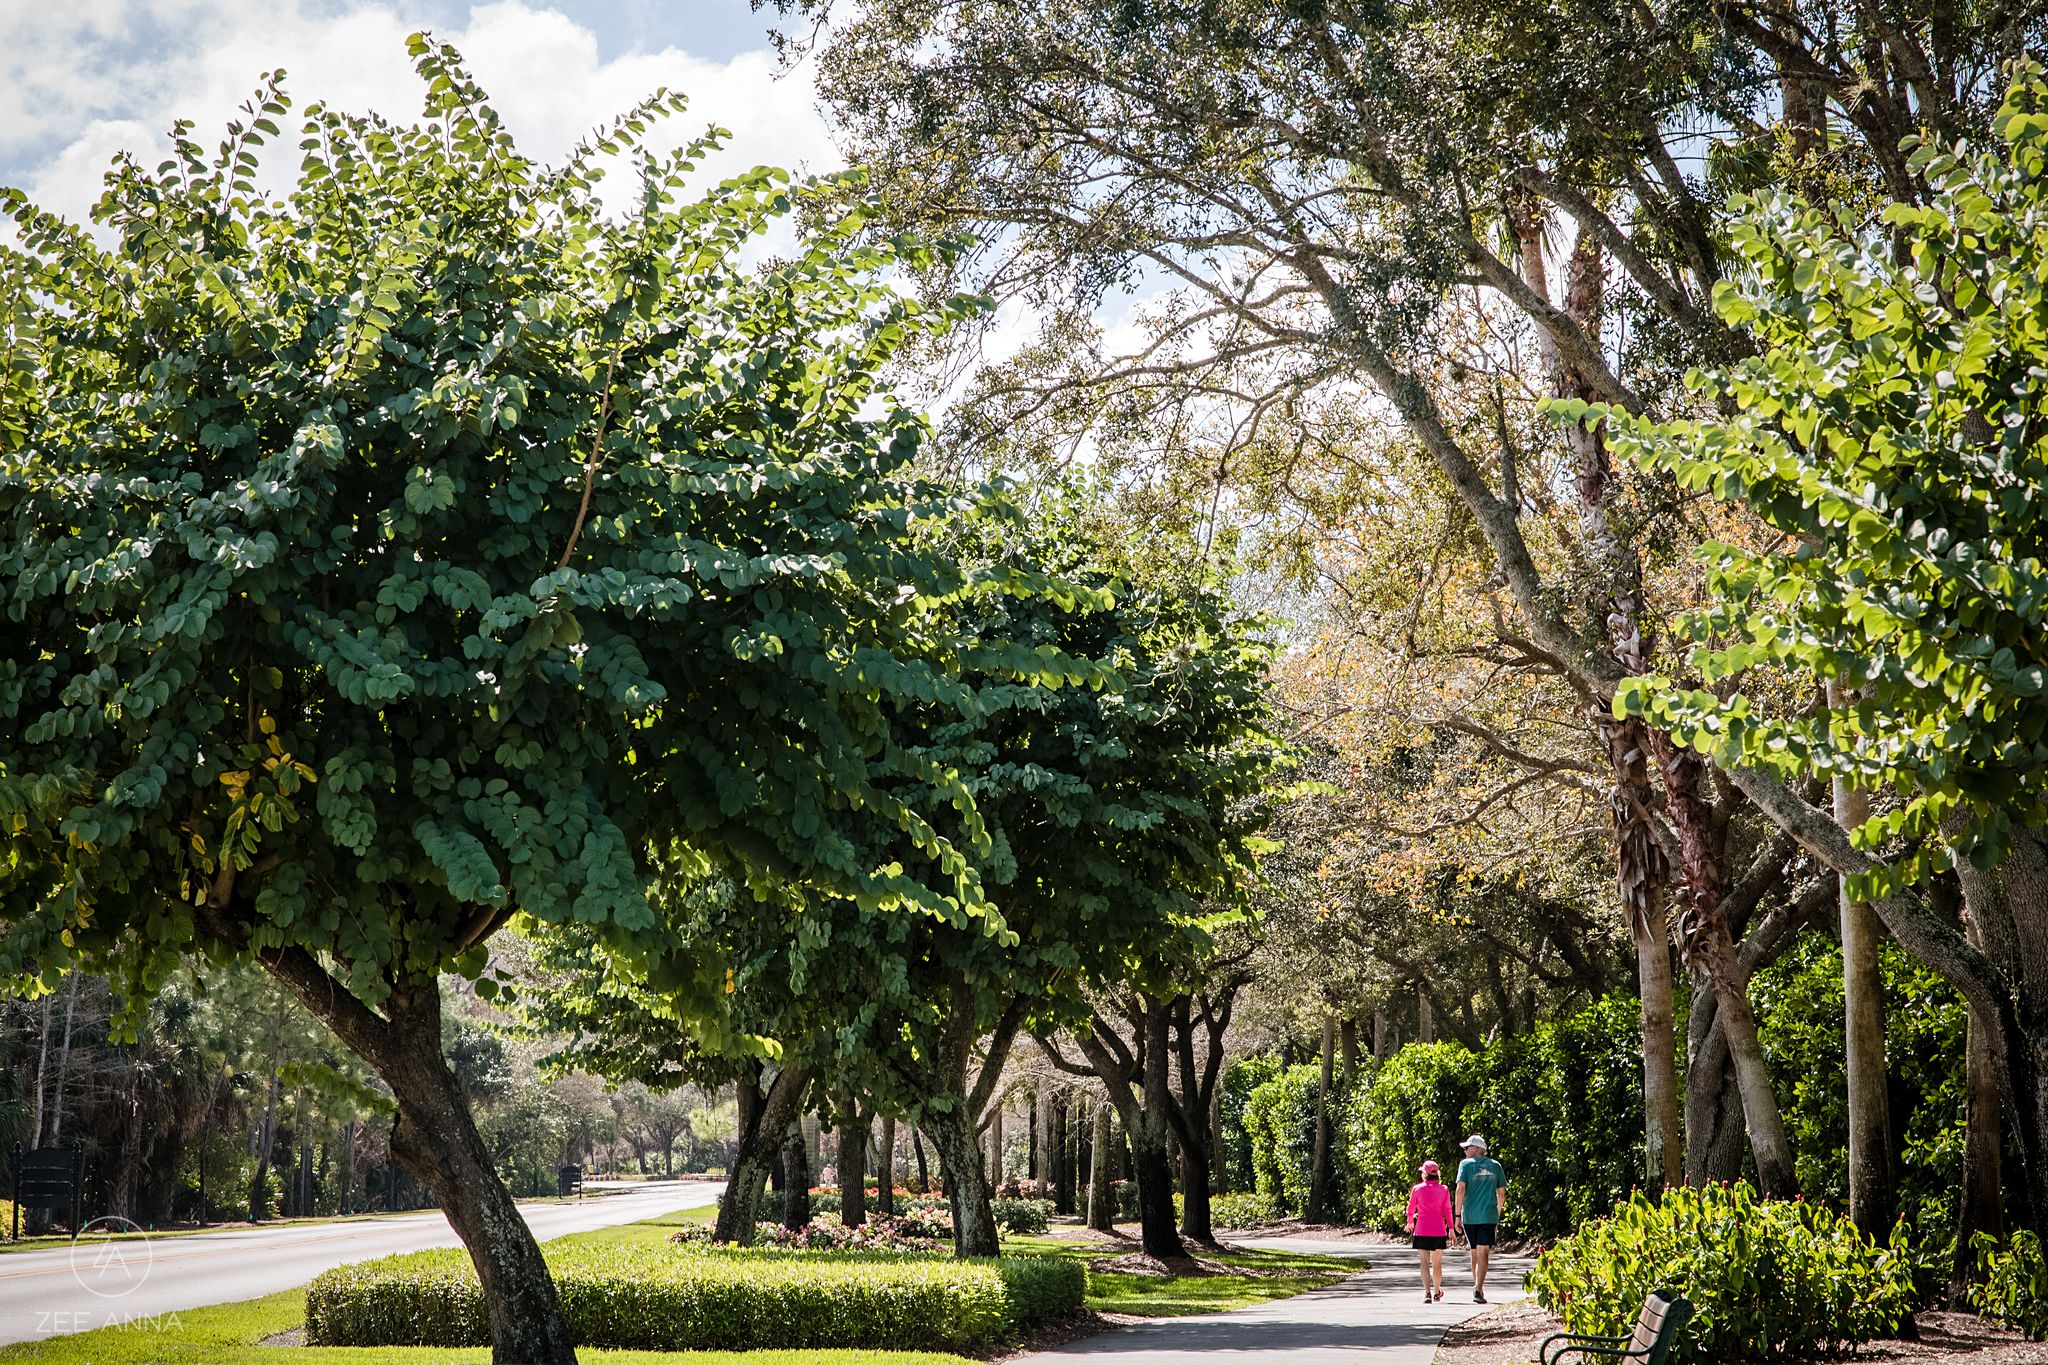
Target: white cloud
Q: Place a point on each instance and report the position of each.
(95, 82)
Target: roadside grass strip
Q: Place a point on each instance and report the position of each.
(231, 1334)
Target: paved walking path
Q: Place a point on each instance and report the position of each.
(1374, 1318)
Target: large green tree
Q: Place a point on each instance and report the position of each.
(1127, 823)
(419, 546)
(1890, 636)
(1335, 198)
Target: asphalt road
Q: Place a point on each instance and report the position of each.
(76, 1289)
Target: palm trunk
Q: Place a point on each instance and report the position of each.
(1661, 1137)
(1873, 1182)
(1713, 949)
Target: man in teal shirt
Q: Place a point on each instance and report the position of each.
(1480, 1181)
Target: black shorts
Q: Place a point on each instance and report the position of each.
(1481, 1234)
(1423, 1243)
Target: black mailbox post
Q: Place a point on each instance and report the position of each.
(49, 1178)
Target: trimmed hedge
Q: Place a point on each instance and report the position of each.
(1768, 1279)
(685, 1299)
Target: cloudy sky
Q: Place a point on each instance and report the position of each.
(81, 79)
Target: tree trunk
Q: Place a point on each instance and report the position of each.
(974, 1221)
(348, 1167)
(924, 1175)
(1714, 1136)
(763, 1121)
(1712, 948)
(1425, 1016)
(1873, 1181)
(1219, 1157)
(266, 1135)
(853, 1167)
(1195, 1221)
(1101, 1183)
(796, 1178)
(995, 1146)
(1661, 1137)
(1347, 1038)
(1319, 1171)
(1382, 1035)
(1152, 1168)
(1063, 1154)
(436, 1139)
(1980, 1202)
(885, 1184)
(42, 1077)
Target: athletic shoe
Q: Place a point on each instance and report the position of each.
(1479, 1296)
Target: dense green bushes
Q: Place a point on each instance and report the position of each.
(1241, 1210)
(1562, 1106)
(2014, 1288)
(1768, 1280)
(1280, 1124)
(1412, 1108)
(1799, 1010)
(680, 1298)
(1025, 1217)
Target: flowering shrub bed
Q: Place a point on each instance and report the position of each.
(661, 1298)
(1768, 1279)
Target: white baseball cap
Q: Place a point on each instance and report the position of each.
(1474, 1141)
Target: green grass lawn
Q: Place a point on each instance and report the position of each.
(1166, 1296)
(229, 1334)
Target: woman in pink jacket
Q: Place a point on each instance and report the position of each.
(1429, 1222)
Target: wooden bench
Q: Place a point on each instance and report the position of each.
(1665, 1311)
